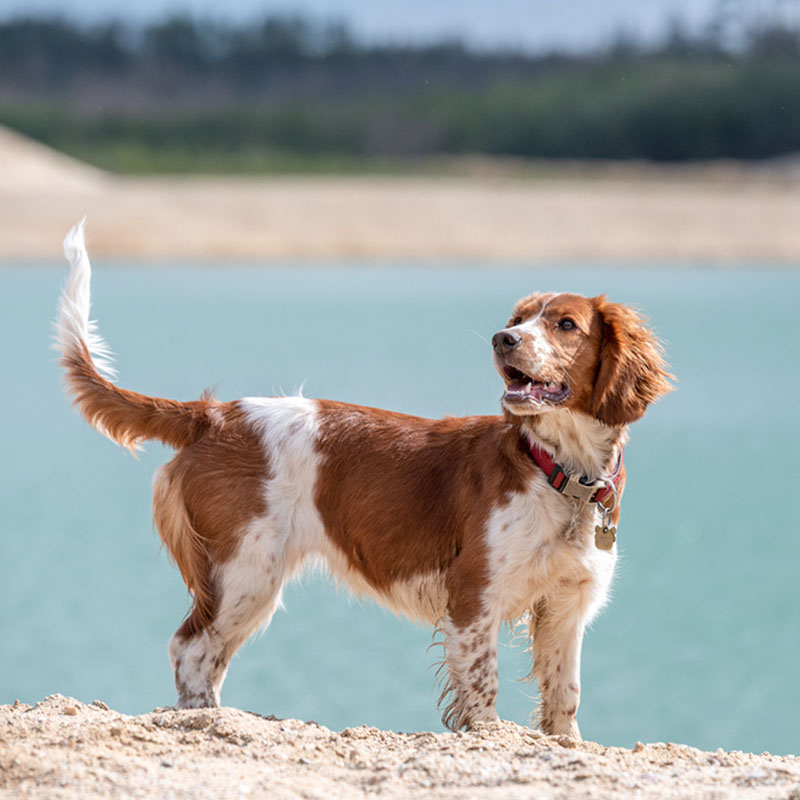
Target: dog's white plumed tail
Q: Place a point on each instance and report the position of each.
(74, 329)
(125, 417)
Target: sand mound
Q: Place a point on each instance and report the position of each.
(61, 748)
(27, 167)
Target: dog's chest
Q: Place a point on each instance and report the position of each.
(533, 541)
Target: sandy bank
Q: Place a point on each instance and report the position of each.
(61, 748)
(725, 213)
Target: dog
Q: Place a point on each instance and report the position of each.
(461, 523)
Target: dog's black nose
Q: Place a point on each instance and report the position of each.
(504, 341)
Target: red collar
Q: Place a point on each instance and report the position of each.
(571, 485)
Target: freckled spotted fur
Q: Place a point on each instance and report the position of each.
(449, 522)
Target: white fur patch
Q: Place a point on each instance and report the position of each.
(581, 443)
(541, 349)
(471, 659)
(73, 326)
(191, 660)
(421, 598)
(288, 428)
(535, 330)
(529, 553)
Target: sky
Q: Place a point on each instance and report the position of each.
(530, 24)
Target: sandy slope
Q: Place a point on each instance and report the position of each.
(61, 748)
(30, 168)
(620, 213)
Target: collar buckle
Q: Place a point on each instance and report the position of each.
(578, 490)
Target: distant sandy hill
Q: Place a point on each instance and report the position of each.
(517, 214)
(29, 168)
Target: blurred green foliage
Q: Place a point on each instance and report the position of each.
(288, 95)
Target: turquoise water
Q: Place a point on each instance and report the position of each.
(701, 642)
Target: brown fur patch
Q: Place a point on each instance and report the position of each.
(402, 495)
(204, 498)
(129, 417)
(632, 373)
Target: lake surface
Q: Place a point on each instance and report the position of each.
(701, 642)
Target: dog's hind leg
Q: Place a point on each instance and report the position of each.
(247, 592)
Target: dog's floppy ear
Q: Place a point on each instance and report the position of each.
(631, 372)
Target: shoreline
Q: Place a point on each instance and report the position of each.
(487, 212)
(413, 219)
(62, 748)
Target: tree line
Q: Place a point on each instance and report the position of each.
(185, 93)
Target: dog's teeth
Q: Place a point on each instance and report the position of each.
(528, 387)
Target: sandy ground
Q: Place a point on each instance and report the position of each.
(725, 213)
(61, 748)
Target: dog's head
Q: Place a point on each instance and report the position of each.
(581, 353)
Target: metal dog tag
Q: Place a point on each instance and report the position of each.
(604, 537)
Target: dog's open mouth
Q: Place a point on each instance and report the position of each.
(521, 388)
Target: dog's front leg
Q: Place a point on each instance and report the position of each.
(557, 626)
(470, 628)
(471, 663)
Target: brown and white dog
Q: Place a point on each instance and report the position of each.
(461, 523)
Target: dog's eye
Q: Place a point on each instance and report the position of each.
(517, 321)
(567, 324)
